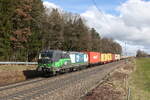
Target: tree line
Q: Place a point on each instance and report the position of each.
(26, 28)
(141, 53)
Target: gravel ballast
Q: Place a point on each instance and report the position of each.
(70, 86)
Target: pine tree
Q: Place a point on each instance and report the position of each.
(81, 32)
(53, 37)
(95, 40)
(70, 34)
(37, 27)
(6, 11)
(21, 22)
(26, 29)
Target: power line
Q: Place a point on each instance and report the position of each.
(100, 11)
(102, 16)
(94, 2)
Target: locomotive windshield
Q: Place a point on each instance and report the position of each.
(46, 55)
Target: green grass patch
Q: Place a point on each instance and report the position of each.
(142, 74)
(140, 80)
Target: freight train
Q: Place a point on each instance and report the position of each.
(56, 61)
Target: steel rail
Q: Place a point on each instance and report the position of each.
(28, 94)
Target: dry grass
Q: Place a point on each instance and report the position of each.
(15, 73)
(17, 67)
(116, 86)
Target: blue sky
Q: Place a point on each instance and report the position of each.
(121, 20)
(80, 6)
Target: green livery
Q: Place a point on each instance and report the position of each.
(57, 64)
(59, 61)
(53, 61)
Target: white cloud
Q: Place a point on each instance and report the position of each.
(132, 25)
(135, 13)
(50, 5)
(129, 49)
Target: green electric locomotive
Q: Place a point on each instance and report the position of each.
(53, 61)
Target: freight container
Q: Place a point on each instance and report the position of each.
(78, 57)
(72, 57)
(109, 57)
(117, 56)
(113, 57)
(94, 57)
(103, 57)
(86, 58)
(106, 58)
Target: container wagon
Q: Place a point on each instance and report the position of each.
(113, 57)
(109, 56)
(55, 61)
(78, 59)
(94, 57)
(103, 58)
(117, 57)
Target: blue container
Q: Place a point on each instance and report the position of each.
(79, 58)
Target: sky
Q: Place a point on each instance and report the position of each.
(126, 21)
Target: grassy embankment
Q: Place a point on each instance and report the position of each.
(17, 67)
(140, 80)
(16, 73)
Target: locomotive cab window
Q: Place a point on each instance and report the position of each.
(57, 56)
(65, 55)
(46, 55)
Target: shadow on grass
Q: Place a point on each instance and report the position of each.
(31, 74)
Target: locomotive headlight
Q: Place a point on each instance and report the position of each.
(39, 69)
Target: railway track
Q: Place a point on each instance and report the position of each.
(10, 86)
(38, 88)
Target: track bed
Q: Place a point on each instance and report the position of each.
(63, 87)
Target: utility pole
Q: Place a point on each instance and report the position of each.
(125, 48)
(126, 60)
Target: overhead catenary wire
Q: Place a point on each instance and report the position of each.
(104, 17)
(100, 11)
(95, 4)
